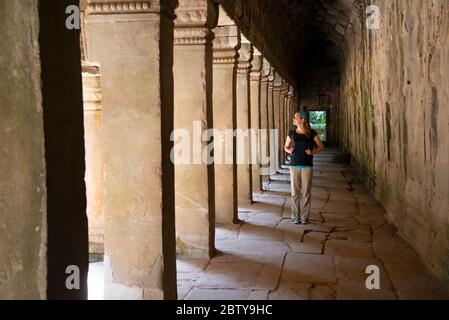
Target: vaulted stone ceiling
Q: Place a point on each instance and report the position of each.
(323, 20)
(290, 32)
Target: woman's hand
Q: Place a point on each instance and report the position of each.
(309, 152)
(290, 150)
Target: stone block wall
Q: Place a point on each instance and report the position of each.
(395, 118)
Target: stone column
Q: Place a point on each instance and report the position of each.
(270, 89)
(225, 48)
(264, 124)
(282, 115)
(290, 112)
(43, 223)
(277, 88)
(194, 177)
(132, 42)
(244, 171)
(255, 76)
(270, 106)
(94, 156)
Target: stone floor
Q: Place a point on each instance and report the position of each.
(268, 257)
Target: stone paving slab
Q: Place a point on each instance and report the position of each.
(350, 248)
(355, 289)
(288, 291)
(312, 268)
(257, 232)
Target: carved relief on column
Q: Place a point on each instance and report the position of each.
(227, 40)
(245, 58)
(194, 22)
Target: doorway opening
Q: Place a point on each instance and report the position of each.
(318, 122)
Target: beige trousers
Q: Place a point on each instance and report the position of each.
(301, 183)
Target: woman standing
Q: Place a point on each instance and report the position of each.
(300, 145)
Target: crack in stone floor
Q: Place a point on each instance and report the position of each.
(267, 257)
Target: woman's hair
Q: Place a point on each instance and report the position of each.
(306, 121)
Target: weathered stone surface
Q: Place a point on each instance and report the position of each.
(137, 92)
(339, 220)
(221, 274)
(349, 248)
(183, 291)
(244, 170)
(94, 156)
(218, 294)
(355, 267)
(259, 295)
(311, 245)
(341, 206)
(363, 235)
(227, 232)
(43, 224)
(355, 289)
(254, 232)
(397, 148)
(193, 86)
(319, 269)
(287, 291)
(294, 267)
(322, 292)
(225, 47)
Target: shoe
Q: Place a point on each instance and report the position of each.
(305, 222)
(296, 221)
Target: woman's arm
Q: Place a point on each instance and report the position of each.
(320, 145)
(287, 146)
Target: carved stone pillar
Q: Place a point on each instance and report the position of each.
(290, 112)
(225, 48)
(277, 88)
(244, 173)
(255, 76)
(132, 42)
(43, 225)
(94, 156)
(264, 124)
(282, 114)
(272, 130)
(194, 180)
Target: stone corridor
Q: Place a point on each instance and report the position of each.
(267, 257)
(143, 149)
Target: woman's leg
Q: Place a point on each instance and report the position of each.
(306, 181)
(295, 176)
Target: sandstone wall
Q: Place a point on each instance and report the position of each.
(394, 115)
